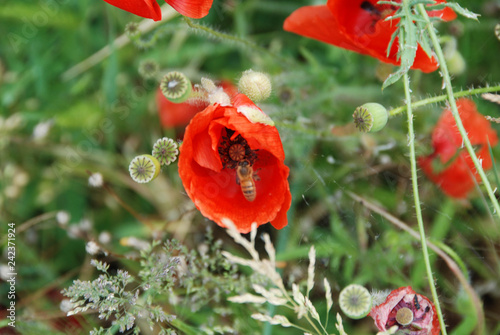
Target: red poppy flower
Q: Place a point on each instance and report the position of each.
(179, 114)
(233, 168)
(359, 26)
(450, 166)
(151, 10)
(412, 312)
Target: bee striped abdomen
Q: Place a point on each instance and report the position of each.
(245, 178)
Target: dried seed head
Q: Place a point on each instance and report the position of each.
(176, 87)
(404, 316)
(165, 150)
(148, 69)
(355, 301)
(370, 117)
(255, 85)
(144, 168)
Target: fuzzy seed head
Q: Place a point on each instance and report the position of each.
(165, 150)
(255, 85)
(176, 87)
(144, 168)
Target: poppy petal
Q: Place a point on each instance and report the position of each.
(318, 22)
(191, 8)
(144, 8)
(215, 190)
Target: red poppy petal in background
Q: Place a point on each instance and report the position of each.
(317, 22)
(372, 34)
(446, 14)
(145, 8)
(191, 8)
(175, 115)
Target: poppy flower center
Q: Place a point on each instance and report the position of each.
(404, 316)
(234, 150)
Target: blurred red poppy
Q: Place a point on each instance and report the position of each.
(179, 114)
(233, 168)
(412, 312)
(151, 10)
(359, 26)
(450, 166)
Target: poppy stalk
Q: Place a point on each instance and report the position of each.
(151, 10)
(359, 26)
(450, 165)
(233, 167)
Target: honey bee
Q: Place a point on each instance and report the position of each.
(244, 173)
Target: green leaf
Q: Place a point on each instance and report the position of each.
(457, 9)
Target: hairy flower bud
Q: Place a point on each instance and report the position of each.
(255, 85)
(370, 117)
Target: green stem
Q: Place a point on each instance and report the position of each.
(232, 38)
(418, 210)
(454, 110)
(441, 98)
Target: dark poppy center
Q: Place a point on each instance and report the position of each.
(234, 150)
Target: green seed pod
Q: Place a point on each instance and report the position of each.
(370, 117)
(165, 151)
(148, 69)
(144, 168)
(176, 87)
(355, 301)
(255, 85)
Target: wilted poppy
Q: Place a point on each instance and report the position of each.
(179, 114)
(412, 312)
(234, 168)
(359, 26)
(151, 10)
(450, 166)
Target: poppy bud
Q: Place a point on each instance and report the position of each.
(144, 168)
(370, 117)
(176, 87)
(165, 150)
(355, 301)
(255, 85)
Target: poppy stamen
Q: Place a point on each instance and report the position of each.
(234, 151)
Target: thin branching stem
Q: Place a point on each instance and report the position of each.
(418, 210)
(454, 110)
(231, 38)
(444, 97)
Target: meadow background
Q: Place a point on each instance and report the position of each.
(98, 119)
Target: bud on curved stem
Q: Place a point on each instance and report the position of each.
(370, 117)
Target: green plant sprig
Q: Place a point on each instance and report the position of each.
(454, 110)
(444, 97)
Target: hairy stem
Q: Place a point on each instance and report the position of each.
(444, 97)
(418, 210)
(454, 110)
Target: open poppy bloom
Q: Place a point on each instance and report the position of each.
(450, 166)
(412, 312)
(233, 168)
(179, 114)
(359, 26)
(151, 10)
